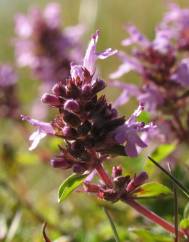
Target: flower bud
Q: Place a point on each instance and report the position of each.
(79, 168)
(59, 90)
(50, 99)
(60, 162)
(86, 90)
(98, 86)
(69, 133)
(71, 119)
(71, 106)
(137, 181)
(84, 128)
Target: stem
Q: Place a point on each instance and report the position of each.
(152, 216)
(117, 239)
(175, 208)
(103, 175)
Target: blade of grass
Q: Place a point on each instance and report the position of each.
(116, 236)
(176, 182)
(175, 207)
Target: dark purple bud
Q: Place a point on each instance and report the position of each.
(98, 86)
(60, 162)
(69, 133)
(120, 183)
(137, 181)
(116, 171)
(84, 128)
(59, 90)
(79, 168)
(71, 119)
(71, 106)
(77, 148)
(50, 99)
(73, 91)
(110, 195)
(114, 123)
(86, 90)
(114, 113)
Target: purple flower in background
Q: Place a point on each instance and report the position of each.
(8, 76)
(176, 24)
(8, 97)
(181, 75)
(43, 46)
(86, 121)
(163, 67)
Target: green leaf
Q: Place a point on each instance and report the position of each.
(159, 154)
(69, 185)
(163, 151)
(151, 189)
(184, 223)
(186, 211)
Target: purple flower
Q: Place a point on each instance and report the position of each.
(128, 133)
(181, 76)
(176, 25)
(9, 104)
(135, 37)
(43, 129)
(148, 94)
(90, 58)
(8, 76)
(43, 46)
(91, 127)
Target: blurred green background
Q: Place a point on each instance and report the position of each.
(35, 184)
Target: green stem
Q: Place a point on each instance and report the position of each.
(116, 236)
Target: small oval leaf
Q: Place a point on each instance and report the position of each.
(151, 189)
(69, 185)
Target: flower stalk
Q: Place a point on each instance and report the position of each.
(153, 217)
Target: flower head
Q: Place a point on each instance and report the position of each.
(8, 97)
(87, 122)
(43, 46)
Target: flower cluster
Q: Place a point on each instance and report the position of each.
(123, 187)
(43, 46)
(163, 65)
(92, 130)
(8, 97)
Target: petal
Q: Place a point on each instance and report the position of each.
(43, 126)
(122, 69)
(130, 149)
(106, 53)
(35, 138)
(90, 55)
(76, 71)
(135, 37)
(122, 99)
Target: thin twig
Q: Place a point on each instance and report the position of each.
(176, 182)
(116, 236)
(24, 203)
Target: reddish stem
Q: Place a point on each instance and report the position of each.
(152, 216)
(103, 175)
